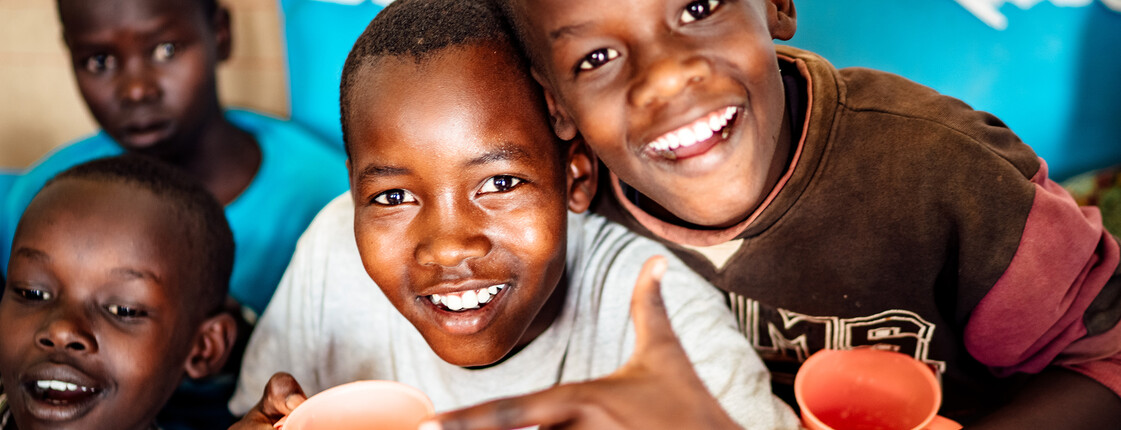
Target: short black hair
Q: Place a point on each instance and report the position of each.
(208, 7)
(519, 30)
(209, 239)
(419, 29)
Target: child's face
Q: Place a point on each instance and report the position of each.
(460, 200)
(95, 333)
(146, 68)
(681, 99)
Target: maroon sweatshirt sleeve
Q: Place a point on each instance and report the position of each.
(1057, 302)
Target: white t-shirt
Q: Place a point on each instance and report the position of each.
(329, 324)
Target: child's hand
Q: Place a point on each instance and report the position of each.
(656, 389)
(282, 394)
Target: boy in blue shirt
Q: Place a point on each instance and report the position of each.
(146, 70)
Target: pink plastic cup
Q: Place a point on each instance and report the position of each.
(362, 405)
(868, 389)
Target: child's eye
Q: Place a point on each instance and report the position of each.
(500, 184)
(597, 58)
(125, 311)
(34, 295)
(163, 52)
(100, 62)
(699, 10)
(394, 198)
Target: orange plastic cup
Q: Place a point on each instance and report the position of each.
(362, 405)
(868, 389)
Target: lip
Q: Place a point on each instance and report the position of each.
(147, 132)
(465, 322)
(650, 148)
(58, 410)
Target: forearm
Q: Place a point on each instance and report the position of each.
(1058, 398)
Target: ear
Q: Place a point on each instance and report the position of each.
(223, 39)
(562, 124)
(582, 170)
(212, 345)
(782, 19)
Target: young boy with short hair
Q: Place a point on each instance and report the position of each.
(102, 318)
(837, 208)
(147, 71)
(457, 213)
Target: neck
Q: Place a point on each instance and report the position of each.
(223, 158)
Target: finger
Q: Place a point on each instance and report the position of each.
(648, 309)
(282, 395)
(553, 406)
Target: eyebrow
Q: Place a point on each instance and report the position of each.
(376, 171)
(31, 254)
(568, 31)
(506, 152)
(130, 273)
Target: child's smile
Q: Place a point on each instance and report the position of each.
(460, 201)
(466, 308)
(59, 392)
(683, 100)
(466, 300)
(696, 137)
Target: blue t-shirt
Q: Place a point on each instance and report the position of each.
(298, 175)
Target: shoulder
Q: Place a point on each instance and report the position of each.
(310, 168)
(928, 121)
(272, 132)
(611, 256)
(333, 225)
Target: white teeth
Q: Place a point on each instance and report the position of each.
(698, 131)
(453, 302)
(702, 131)
(715, 122)
(470, 300)
(673, 141)
(59, 385)
(686, 137)
(466, 300)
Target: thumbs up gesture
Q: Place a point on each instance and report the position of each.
(656, 389)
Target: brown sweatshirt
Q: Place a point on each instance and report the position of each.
(911, 221)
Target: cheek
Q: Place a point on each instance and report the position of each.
(386, 252)
(538, 238)
(98, 93)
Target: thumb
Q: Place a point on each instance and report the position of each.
(648, 309)
(282, 395)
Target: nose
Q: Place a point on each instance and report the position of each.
(66, 330)
(668, 73)
(450, 237)
(139, 84)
